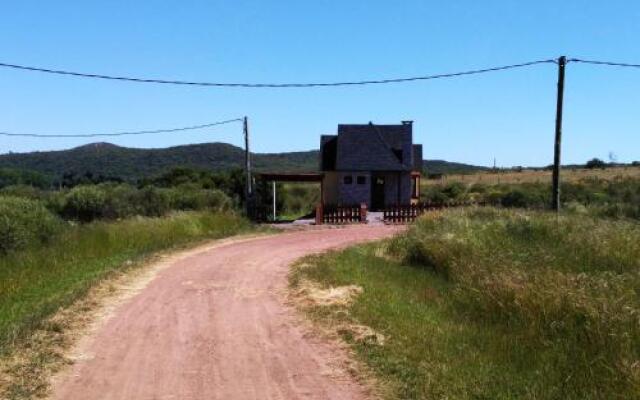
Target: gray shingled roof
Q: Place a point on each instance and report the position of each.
(374, 148)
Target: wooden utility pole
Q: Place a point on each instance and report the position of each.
(555, 203)
(247, 155)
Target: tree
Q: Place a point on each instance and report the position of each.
(596, 163)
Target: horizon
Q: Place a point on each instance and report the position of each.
(304, 151)
(506, 115)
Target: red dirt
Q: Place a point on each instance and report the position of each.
(215, 325)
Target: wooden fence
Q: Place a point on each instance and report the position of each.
(409, 213)
(341, 214)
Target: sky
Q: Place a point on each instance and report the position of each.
(507, 116)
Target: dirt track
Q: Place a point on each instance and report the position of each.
(214, 325)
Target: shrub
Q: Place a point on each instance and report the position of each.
(24, 222)
(85, 203)
(25, 191)
(190, 197)
(120, 201)
(154, 202)
(595, 163)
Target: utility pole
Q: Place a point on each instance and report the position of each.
(555, 203)
(247, 163)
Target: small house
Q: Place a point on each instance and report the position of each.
(376, 165)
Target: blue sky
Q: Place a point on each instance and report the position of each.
(508, 115)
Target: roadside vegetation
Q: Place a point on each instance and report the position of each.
(617, 197)
(38, 280)
(494, 304)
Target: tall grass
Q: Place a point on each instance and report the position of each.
(35, 282)
(501, 304)
(616, 197)
(568, 288)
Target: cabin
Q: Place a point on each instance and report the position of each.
(375, 165)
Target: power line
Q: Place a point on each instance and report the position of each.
(274, 85)
(186, 128)
(608, 63)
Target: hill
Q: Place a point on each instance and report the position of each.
(130, 164)
(448, 167)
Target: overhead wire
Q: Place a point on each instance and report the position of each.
(186, 128)
(274, 85)
(607, 63)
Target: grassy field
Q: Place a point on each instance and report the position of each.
(573, 175)
(36, 281)
(494, 304)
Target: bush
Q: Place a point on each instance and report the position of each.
(564, 287)
(85, 203)
(154, 202)
(190, 197)
(24, 222)
(595, 163)
(25, 191)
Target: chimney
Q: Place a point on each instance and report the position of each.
(407, 122)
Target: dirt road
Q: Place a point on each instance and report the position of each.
(215, 325)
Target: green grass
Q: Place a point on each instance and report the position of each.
(487, 304)
(36, 282)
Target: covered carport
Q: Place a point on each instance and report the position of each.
(300, 177)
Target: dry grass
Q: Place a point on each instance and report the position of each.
(534, 176)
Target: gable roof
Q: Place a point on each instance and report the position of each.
(369, 147)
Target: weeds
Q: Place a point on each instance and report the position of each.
(499, 304)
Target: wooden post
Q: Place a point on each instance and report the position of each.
(319, 214)
(274, 201)
(555, 203)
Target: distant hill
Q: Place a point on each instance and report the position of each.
(130, 164)
(448, 167)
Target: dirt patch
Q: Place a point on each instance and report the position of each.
(334, 296)
(27, 371)
(308, 295)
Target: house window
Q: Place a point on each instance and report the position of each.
(348, 180)
(415, 187)
(361, 180)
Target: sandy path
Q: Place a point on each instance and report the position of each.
(214, 325)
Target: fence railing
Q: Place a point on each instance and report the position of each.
(341, 214)
(409, 213)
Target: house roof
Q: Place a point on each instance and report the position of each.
(369, 147)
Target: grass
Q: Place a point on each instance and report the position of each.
(572, 175)
(36, 282)
(489, 304)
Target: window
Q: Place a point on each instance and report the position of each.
(348, 180)
(415, 187)
(361, 180)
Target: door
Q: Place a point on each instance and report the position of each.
(377, 192)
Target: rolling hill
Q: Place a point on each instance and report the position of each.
(131, 164)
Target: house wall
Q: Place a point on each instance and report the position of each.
(330, 188)
(391, 194)
(336, 192)
(354, 193)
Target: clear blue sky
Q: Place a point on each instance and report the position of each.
(508, 115)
